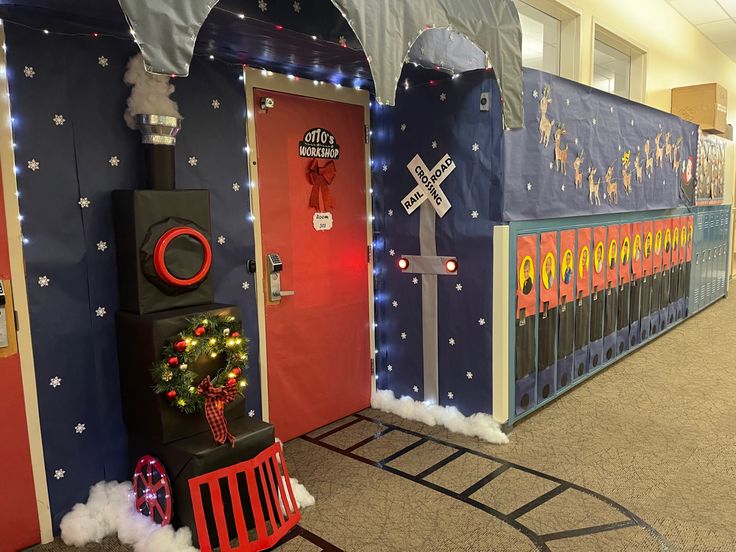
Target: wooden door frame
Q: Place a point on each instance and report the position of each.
(20, 299)
(321, 90)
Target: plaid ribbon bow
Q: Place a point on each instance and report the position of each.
(215, 399)
(321, 177)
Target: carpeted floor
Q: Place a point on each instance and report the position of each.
(640, 457)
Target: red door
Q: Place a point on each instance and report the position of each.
(317, 339)
(18, 515)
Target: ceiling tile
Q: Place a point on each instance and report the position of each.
(729, 48)
(720, 31)
(729, 6)
(700, 11)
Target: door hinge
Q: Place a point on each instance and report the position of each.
(368, 253)
(367, 133)
(373, 367)
(15, 319)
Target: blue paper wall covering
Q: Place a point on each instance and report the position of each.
(68, 99)
(431, 120)
(603, 126)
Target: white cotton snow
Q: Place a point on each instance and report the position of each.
(110, 510)
(478, 425)
(150, 93)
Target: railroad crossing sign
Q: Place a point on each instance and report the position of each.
(428, 185)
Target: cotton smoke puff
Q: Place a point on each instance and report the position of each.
(150, 93)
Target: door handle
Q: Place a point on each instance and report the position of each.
(284, 293)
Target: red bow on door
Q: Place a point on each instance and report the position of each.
(321, 177)
(215, 399)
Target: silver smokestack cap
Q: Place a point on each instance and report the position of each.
(158, 129)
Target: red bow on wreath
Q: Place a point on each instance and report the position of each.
(321, 177)
(215, 399)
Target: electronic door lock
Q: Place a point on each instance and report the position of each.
(275, 267)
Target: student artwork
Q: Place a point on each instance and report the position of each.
(582, 301)
(666, 282)
(566, 309)
(667, 146)
(638, 169)
(711, 169)
(593, 187)
(560, 152)
(656, 277)
(688, 263)
(646, 280)
(577, 165)
(624, 289)
(658, 151)
(648, 159)
(675, 272)
(676, 155)
(545, 124)
(611, 308)
(597, 296)
(611, 186)
(548, 301)
(636, 283)
(626, 172)
(526, 331)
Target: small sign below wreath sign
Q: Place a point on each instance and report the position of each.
(211, 336)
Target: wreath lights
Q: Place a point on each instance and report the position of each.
(211, 336)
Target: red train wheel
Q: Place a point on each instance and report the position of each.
(152, 490)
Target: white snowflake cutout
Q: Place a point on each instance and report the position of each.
(385, 167)
(415, 389)
(475, 146)
(34, 165)
(619, 147)
(576, 141)
(114, 161)
(262, 5)
(390, 368)
(535, 93)
(55, 382)
(459, 287)
(251, 413)
(403, 127)
(59, 474)
(215, 104)
(434, 144)
(100, 311)
(529, 186)
(391, 252)
(481, 321)
(403, 335)
(29, 72)
(192, 161)
(394, 303)
(80, 428)
(43, 281)
(236, 187)
(246, 286)
(567, 101)
(84, 202)
(297, 6)
(102, 61)
(450, 395)
(415, 280)
(474, 214)
(632, 122)
(101, 245)
(562, 187)
(221, 240)
(59, 120)
(390, 212)
(595, 121)
(451, 341)
(443, 97)
(469, 375)
(551, 165)
(611, 109)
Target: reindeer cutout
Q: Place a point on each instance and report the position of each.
(667, 146)
(625, 172)
(611, 186)
(560, 152)
(593, 187)
(545, 125)
(578, 173)
(658, 152)
(676, 155)
(638, 168)
(648, 161)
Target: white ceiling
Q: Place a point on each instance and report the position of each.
(716, 19)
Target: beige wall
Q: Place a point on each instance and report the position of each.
(677, 54)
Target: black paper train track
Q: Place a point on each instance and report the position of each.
(586, 295)
(633, 167)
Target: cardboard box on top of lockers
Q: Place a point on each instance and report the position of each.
(702, 104)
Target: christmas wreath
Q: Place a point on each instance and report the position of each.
(212, 336)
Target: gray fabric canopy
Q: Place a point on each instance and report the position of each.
(166, 31)
(387, 29)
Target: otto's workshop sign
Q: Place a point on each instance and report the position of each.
(428, 185)
(319, 143)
